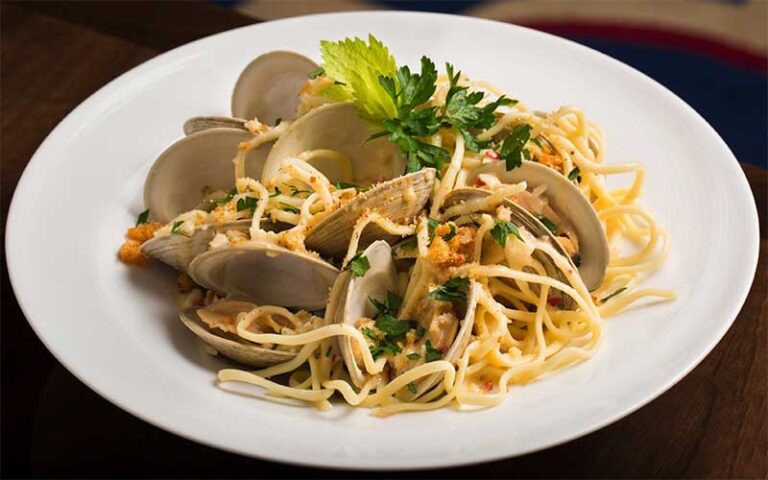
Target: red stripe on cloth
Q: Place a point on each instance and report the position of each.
(656, 37)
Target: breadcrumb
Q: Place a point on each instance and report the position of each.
(142, 233)
(454, 252)
(130, 253)
(552, 161)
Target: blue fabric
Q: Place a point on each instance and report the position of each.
(734, 100)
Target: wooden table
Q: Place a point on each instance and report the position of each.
(711, 424)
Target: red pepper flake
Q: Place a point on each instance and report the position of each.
(478, 182)
(491, 154)
(488, 385)
(554, 300)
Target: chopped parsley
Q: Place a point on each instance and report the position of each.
(359, 264)
(411, 388)
(143, 217)
(386, 348)
(224, 199)
(574, 174)
(175, 228)
(503, 229)
(420, 331)
(605, 299)
(296, 191)
(548, 223)
(432, 224)
(433, 353)
(392, 328)
(276, 192)
(448, 236)
(390, 305)
(345, 185)
(289, 208)
(513, 148)
(413, 356)
(370, 334)
(450, 291)
(316, 73)
(278, 121)
(247, 203)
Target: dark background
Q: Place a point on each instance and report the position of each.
(54, 55)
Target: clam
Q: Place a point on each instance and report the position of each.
(354, 303)
(198, 124)
(522, 218)
(177, 251)
(570, 205)
(460, 342)
(195, 164)
(337, 127)
(210, 323)
(266, 274)
(398, 199)
(269, 86)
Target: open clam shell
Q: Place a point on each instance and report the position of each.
(460, 343)
(178, 251)
(203, 160)
(337, 127)
(397, 199)
(268, 88)
(570, 204)
(353, 303)
(265, 273)
(198, 124)
(229, 344)
(523, 218)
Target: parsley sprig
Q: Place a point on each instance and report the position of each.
(359, 264)
(451, 291)
(503, 229)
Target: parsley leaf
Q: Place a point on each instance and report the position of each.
(420, 331)
(386, 348)
(411, 388)
(392, 328)
(276, 192)
(175, 228)
(359, 264)
(448, 236)
(344, 185)
(503, 229)
(370, 334)
(551, 226)
(574, 174)
(462, 112)
(289, 208)
(451, 290)
(247, 203)
(605, 299)
(512, 150)
(225, 198)
(143, 217)
(413, 356)
(432, 225)
(433, 353)
(316, 73)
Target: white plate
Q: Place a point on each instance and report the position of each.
(115, 327)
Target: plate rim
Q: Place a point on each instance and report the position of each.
(13, 218)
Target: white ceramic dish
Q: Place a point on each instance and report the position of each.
(115, 328)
